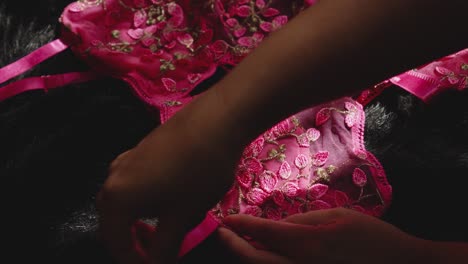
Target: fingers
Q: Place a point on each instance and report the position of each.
(245, 251)
(116, 228)
(116, 162)
(316, 218)
(166, 241)
(274, 235)
(117, 234)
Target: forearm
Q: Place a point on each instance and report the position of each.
(333, 49)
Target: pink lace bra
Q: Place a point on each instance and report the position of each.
(164, 49)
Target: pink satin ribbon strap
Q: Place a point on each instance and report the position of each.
(29, 61)
(44, 82)
(198, 234)
(423, 88)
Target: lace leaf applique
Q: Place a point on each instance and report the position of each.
(243, 11)
(260, 4)
(136, 33)
(268, 181)
(322, 116)
(250, 42)
(270, 12)
(253, 165)
(290, 189)
(313, 134)
(185, 39)
(239, 32)
(139, 18)
(320, 158)
(169, 84)
(303, 140)
(244, 178)
(256, 196)
(359, 177)
(301, 161)
(278, 197)
(284, 170)
(341, 198)
(317, 190)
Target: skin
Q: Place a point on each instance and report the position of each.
(182, 168)
(333, 236)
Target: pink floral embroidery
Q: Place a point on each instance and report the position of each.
(219, 48)
(193, 78)
(341, 199)
(301, 161)
(359, 177)
(135, 33)
(313, 134)
(254, 149)
(270, 12)
(253, 210)
(169, 84)
(243, 11)
(139, 18)
(232, 22)
(170, 45)
(253, 165)
(351, 116)
(284, 170)
(290, 189)
(283, 128)
(350, 107)
(276, 24)
(350, 119)
(260, 4)
(278, 197)
(76, 7)
(322, 116)
(320, 158)
(272, 213)
(449, 75)
(303, 141)
(251, 42)
(256, 196)
(244, 178)
(185, 40)
(177, 14)
(316, 191)
(319, 205)
(267, 181)
(239, 32)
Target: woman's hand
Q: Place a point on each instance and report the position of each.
(329, 236)
(177, 173)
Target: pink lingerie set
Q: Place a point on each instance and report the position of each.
(163, 49)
